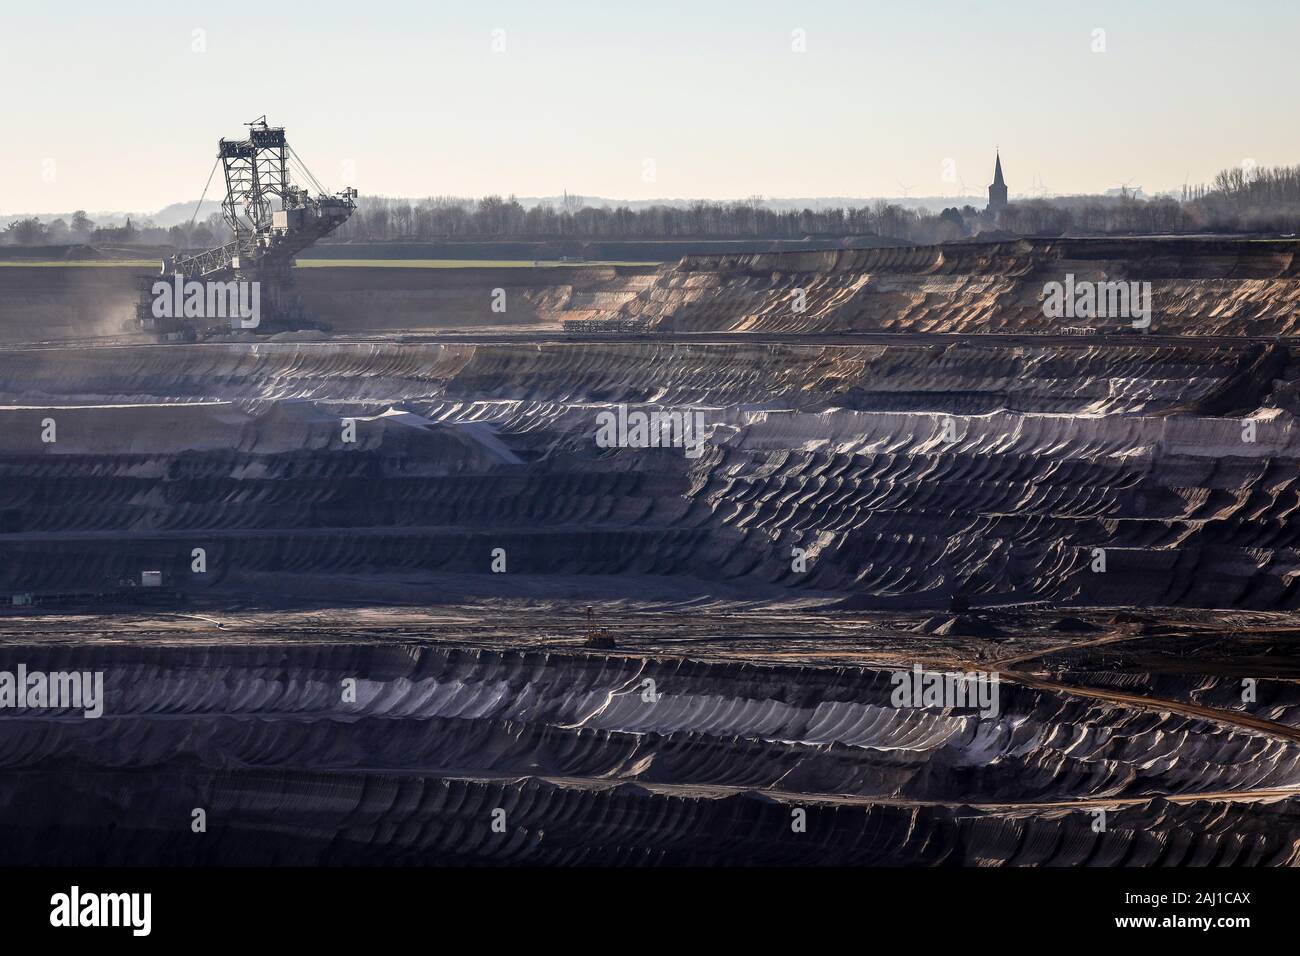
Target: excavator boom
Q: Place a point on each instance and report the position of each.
(272, 220)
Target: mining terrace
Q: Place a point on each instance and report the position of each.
(396, 584)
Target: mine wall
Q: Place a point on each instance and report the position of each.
(1197, 287)
(60, 301)
(911, 476)
(1203, 287)
(929, 478)
(588, 770)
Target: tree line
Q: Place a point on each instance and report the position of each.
(79, 228)
(1238, 200)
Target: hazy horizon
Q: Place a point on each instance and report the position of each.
(182, 211)
(639, 103)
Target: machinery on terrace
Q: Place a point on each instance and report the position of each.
(272, 221)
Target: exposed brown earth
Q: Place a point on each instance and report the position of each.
(1198, 287)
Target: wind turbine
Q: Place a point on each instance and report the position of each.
(965, 190)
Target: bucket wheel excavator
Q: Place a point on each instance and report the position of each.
(272, 220)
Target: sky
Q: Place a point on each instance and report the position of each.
(118, 106)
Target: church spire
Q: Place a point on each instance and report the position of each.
(997, 190)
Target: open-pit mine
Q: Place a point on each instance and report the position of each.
(879, 564)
